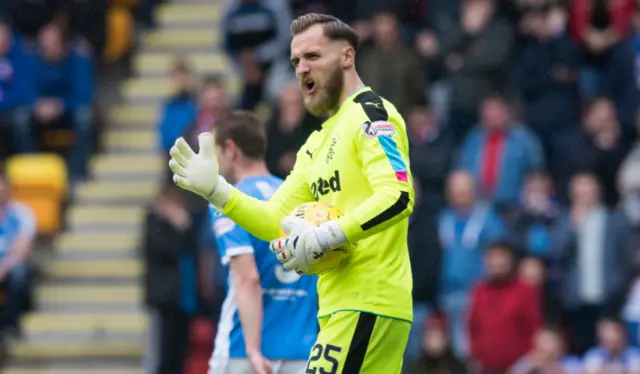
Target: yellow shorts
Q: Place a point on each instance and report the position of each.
(353, 342)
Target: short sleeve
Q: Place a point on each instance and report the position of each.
(231, 239)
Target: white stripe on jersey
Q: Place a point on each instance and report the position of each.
(220, 355)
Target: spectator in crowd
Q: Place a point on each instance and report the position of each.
(531, 271)
(531, 226)
(500, 153)
(179, 110)
(475, 51)
(547, 356)
(169, 251)
(613, 353)
(256, 35)
(504, 314)
(465, 227)
(592, 245)
(602, 29)
(437, 356)
(548, 73)
(432, 155)
(390, 68)
(60, 93)
(213, 104)
(598, 26)
(599, 146)
(17, 234)
(289, 127)
(13, 78)
(534, 271)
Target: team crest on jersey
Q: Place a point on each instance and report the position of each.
(377, 128)
(223, 226)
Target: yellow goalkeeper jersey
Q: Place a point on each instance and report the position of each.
(358, 162)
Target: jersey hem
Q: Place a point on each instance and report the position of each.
(410, 320)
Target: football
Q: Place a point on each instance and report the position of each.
(318, 213)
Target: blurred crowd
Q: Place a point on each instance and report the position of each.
(523, 122)
(52, 55)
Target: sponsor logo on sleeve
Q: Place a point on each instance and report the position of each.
(223, 226)
(377, 128)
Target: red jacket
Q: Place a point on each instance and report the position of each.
(502, 321)
(620, 13)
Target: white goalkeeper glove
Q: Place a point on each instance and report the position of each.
(306, 243)
(198, 172)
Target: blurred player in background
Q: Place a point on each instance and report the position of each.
(358, 162)
(268, 321)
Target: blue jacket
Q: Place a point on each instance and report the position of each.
(522, 154)
(13, 76)
(463, 241)
(617, 261)
(178, 113)
(70, 80)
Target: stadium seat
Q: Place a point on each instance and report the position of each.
(40, 181)
(119, 34)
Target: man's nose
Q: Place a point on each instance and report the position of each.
(302, 68)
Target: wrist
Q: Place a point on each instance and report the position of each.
(330, 235)
(221, 193)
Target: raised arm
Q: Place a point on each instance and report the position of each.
(198, 172)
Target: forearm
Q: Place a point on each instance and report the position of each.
(249, 299)
(386, 207)
(259, 218)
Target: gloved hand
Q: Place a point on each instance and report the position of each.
(198, 172)
(306, 243)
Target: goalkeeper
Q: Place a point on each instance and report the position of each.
(357, 162)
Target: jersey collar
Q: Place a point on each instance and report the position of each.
(349, 99)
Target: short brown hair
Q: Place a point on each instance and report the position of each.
(245, 130)
(334, 28)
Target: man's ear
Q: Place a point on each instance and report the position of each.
(349, 57)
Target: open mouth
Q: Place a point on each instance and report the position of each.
(308, 85)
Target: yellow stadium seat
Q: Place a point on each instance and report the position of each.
(119, 34)
(40, 181)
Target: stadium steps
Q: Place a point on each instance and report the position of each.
(89, 316)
